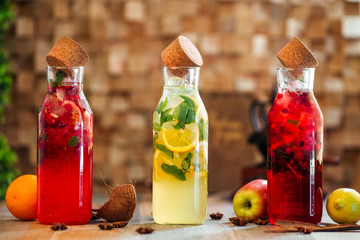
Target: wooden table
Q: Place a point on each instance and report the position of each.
(11, 228)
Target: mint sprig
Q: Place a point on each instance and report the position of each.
(301, 80)
(58, 80)
(174, 171)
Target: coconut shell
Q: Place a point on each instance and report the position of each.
(121, 204)
(297, 56)
(67, 53)
(181, 53)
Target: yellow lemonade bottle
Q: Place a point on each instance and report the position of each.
(180, 150)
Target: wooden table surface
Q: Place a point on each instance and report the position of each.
(11, 228)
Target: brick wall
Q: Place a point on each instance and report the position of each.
(123, 81)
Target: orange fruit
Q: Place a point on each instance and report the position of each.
(21, 197)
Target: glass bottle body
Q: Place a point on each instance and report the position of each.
(295, 146)
(180, 152)
(65, 150)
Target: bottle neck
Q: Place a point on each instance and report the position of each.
(187, 77)
(303, 82)
(66, 78)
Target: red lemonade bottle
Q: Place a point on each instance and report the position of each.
(65, 149)
(295, 147)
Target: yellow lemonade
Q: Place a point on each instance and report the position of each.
(180, 154)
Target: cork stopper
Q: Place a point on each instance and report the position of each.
(297, 56)
(181, 53)
(67, 53)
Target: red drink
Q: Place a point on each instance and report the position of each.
(295, 138)
(65, 141)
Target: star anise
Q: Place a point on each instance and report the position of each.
(238, 221)
(59, 227)
(216, 216)
(144, 230)
(304, 230)
(105, 226)
(120, 224)
(261, 222)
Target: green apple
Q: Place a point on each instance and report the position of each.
(250, 201)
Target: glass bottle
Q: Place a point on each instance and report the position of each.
(65, 149)
(295, 147)
(180, 150)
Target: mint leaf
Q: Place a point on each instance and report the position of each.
(161, 106)
(165, 150)
(189, 102)
(60, 76)
(156, 127)
(203, 132)
(190, 116)
(180, 113)
(187, 162)
(165, 116)
(74, 140)
(174, 171)
(58, 80)
(301, 80)
(294, 122)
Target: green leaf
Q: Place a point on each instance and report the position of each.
(59, 79)
(180, 113)
(165, 150)
(186, 163)
(161, 106)
(301, 80)
(174, 171)
(189, 102)
(203, 130)
(165, 116)
(74, 140)
(190, 116)
(295, 123)
(156, 127)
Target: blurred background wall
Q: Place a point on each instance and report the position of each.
(238, 41)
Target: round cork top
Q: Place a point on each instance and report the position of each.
(66, 52)
(181, 53)
(296, 55)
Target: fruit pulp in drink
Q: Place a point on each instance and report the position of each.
(180, 158)
(295, 142)
(65, 141)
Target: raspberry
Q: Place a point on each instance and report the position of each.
(294, 148)
(298, 156)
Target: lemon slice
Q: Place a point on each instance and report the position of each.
(180, 140)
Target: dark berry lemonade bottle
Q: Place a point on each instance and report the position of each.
(65, 149)
(295, 145)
